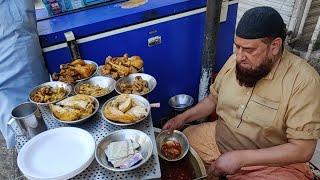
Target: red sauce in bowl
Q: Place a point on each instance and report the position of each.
(177, 170)
(171, 149)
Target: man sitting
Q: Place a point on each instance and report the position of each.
(268, 106)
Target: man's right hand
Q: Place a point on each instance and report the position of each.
(174, 123)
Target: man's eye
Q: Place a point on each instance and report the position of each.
(248, 50)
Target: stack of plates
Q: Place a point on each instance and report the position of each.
(59, 153)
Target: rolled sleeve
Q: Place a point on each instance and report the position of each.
(303, 115)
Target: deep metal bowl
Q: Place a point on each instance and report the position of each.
(96, 107)
(101, 81)
(140, 137)
(176, 135)
(192, 157)
(141, 99)
(180, 102)
(96, 66)
(152, 83)
(53, 84)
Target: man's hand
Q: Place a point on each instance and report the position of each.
(204, 108)
(226, 164)
(295, 151)
(174, 123)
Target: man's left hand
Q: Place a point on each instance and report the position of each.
(227, 163)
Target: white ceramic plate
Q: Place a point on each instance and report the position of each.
(59, 153)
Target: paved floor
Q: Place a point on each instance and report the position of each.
(8, 165)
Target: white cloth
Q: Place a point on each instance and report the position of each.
(21, 62)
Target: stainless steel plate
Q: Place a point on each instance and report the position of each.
(101, 81)
(96, 107)
(140, 137)
(53, 84)
(141, 99)
(152, 83)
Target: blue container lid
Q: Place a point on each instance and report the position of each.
(104, 18)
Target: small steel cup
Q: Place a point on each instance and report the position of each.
(28, 119)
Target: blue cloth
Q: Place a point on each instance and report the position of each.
(21, 62)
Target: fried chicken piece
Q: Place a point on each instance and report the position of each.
(137, 111)
(133, 69)
(136, 62)
(65, 113)
(106, 69)
(78, 62)
(114, 75)
(122, 70)
(126, 105)
(114, 114)
(85, 71)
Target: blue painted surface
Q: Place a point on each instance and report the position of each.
(226, 38)
(175, 63)
(105, 18)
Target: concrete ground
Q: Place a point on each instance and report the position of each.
(8, 163)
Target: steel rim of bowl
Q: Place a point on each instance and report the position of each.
(88, 81)
(159, 148)
(134, 75)
(96, 108)
(68, 90)
(123, 124)
(181, 108)
(132, 167)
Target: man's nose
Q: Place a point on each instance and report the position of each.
(239, 55)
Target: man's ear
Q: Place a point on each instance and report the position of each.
(276, 46)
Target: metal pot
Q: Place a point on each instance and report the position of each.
(192, 158)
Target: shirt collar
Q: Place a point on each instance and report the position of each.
(275, 66)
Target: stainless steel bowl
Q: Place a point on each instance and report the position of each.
(180, 102)
(152, 83)
(96, 66)
(101, 81)
(96, 107)
(141, 99)
(192, 157)
(176, 135)
(53, 84)
(140, 137)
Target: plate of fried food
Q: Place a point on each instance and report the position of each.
(117, 67)
(125, 109)
(75, 109)
(97, 86)
(77, 70)
(49, 92)
(137, 83)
